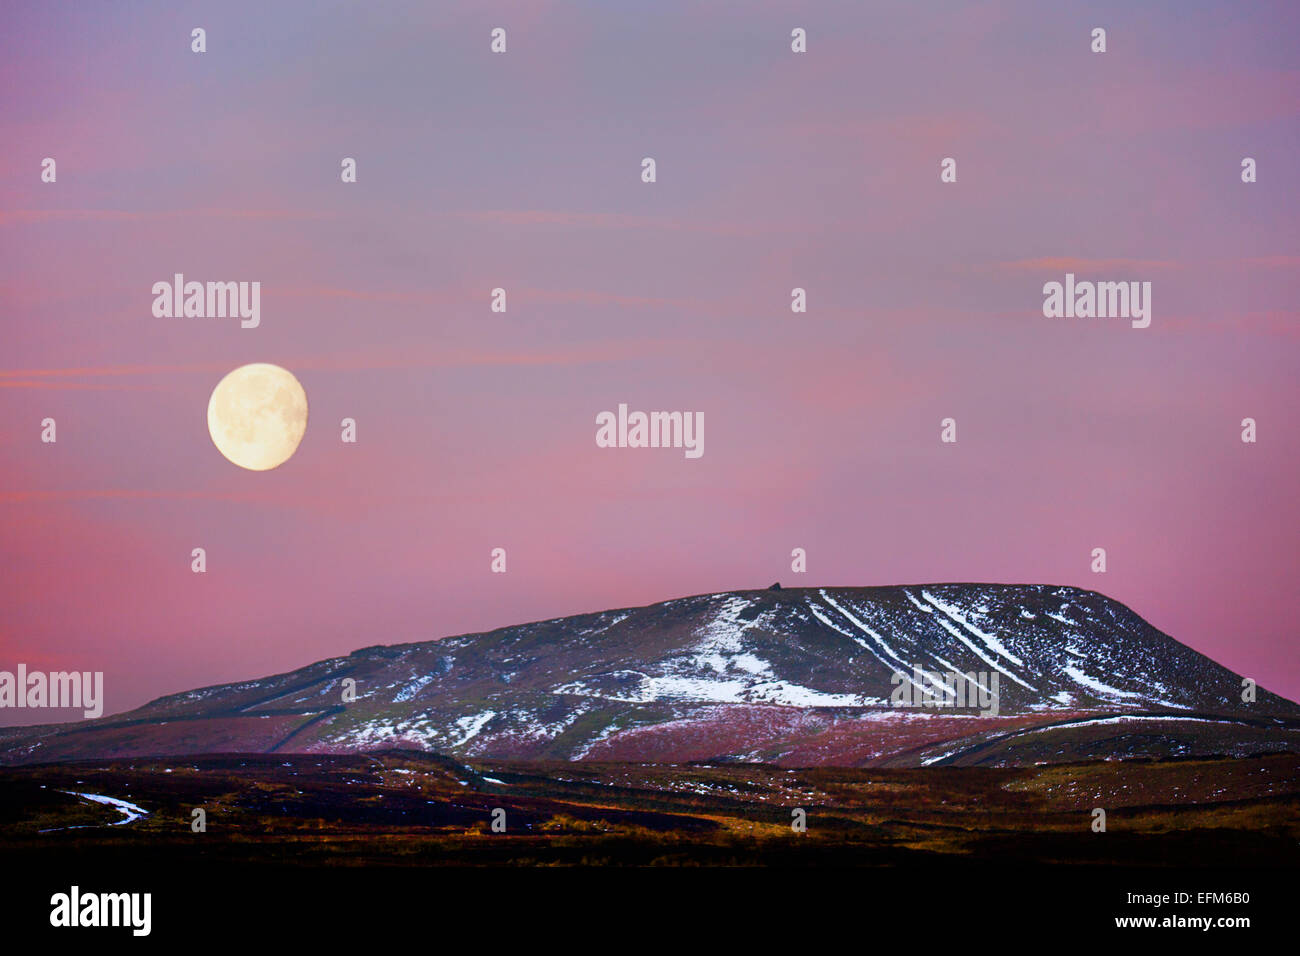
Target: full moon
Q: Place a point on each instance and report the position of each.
(257, 416)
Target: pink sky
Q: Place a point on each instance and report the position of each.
(476, 430)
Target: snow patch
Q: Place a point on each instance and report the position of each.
(989, 640)
(470, 726)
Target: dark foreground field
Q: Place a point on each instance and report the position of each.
(413, 809)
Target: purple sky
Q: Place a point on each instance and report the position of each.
(477, 430)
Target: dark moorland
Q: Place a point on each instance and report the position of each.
(398, 808)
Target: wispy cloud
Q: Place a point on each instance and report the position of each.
(1128, 264)
(1083, 264)
(373, 358)
(522, 218)
(26, 217)
(81, 386)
